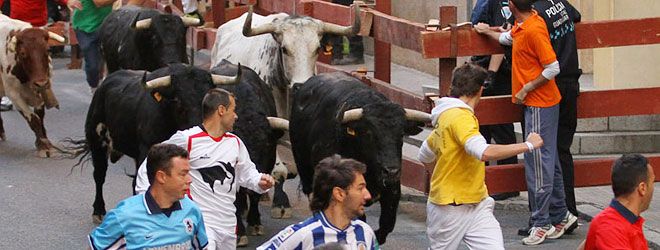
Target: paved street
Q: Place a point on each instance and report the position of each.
(45, 204)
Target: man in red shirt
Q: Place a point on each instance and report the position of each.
(620, 225)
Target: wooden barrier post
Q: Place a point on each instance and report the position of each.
(447, 65)
(218, 12)
(382, 50)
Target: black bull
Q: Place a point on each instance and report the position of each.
(146, 47)
(133, 110)
(319, 127)
(254, 104)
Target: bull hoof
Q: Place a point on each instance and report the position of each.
(242, 241)
(265, 197)
(276, 213)
(256, 230)
(3, 137)
(287, 212)
(97, 219)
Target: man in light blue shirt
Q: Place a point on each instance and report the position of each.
(161, 218)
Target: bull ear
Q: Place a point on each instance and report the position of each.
(413, 127)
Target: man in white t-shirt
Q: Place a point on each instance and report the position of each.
(220, 163)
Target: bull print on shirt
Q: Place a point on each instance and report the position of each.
(218, 173)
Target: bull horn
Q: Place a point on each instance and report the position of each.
(159, 82)
(56, 37)
(278, 123)
(352, 115)
(190, 21)
(248, 31)
(344, 30)
(418, 116)
(143, 24)
(227, 80)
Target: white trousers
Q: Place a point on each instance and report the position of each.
(474, 224)
(220, 240)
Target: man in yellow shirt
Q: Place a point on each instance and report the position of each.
(459, 208)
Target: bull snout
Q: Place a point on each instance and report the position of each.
(391, 176)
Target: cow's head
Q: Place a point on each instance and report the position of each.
(179, 90)
(299, 38)
(162, 38)
(376, 132)
(31, 55)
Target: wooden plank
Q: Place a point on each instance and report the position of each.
(401, 96)
(600, 34)
(382, 49)
(588, 173)
(446, 65)
(218, 10)
(510, 178)
(591, 104)
(414, 175)
(233, 13)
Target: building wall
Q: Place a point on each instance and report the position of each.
(621, 67)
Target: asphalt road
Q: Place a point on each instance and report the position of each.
(45, 204)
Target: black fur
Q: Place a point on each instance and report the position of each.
(125, 47)
(376, 139)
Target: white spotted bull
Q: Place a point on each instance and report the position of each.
(25, 69)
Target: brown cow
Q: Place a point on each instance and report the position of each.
(25, 76)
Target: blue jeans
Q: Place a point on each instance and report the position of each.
(91, 48)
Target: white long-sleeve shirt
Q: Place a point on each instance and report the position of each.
(218, 167)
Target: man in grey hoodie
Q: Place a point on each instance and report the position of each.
(459, 208)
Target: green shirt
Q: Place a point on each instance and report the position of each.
(90, 17)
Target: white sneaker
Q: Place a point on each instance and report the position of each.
(538, 234)
(566, 223)
(5, 104)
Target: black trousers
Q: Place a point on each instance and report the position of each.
(569, 87)
(501, 133)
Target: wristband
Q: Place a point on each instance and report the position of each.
(529, 146)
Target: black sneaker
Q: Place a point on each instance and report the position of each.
(524, 231)
(504, 196)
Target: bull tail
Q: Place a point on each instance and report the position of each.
(76, 148)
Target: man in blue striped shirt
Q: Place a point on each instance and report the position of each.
(338, 198)
(162, 217)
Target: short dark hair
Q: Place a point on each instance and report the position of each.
(627, 172)
(333, 171)
(213, 99)
(467, 80)
(159, 158)
(523, 5)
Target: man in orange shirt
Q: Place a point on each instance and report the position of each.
(533, 69)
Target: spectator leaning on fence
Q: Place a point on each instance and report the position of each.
(533, 68)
